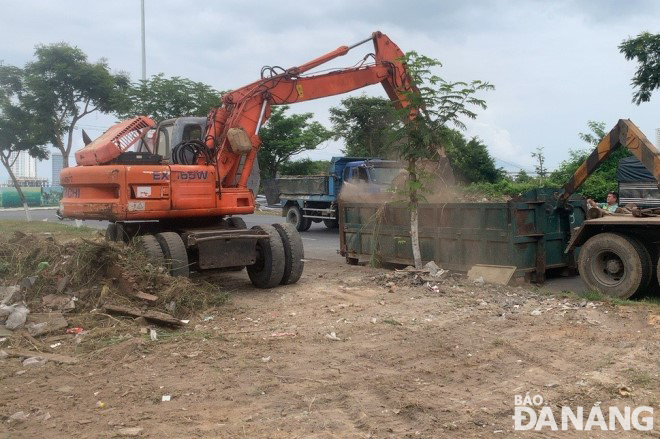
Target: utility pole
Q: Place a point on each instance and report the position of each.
(144, 55)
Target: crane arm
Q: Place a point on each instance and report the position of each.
(244, 110)
(625, 133)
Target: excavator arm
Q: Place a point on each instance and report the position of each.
(234, 127)
(626, 134)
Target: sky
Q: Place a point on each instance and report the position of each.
(555, 65)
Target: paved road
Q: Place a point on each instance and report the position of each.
(319, 241)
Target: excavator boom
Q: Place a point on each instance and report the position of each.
(626, 134)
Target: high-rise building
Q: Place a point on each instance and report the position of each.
(657, 137)
(57, 163)
(25, 165)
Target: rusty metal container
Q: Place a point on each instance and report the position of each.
(526, 232)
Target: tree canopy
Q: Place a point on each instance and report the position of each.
(365, 123)
(61, 86)
(284, 136)
(164, 98)
(645, 49)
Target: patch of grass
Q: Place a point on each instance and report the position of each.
(57, 229)
(392, 322)
(593, 296)
(639, 378)
(498, 342)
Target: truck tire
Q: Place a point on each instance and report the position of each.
(295, 217)
(268, 270)
(293, 253)
(111, 232)
(236, 222)
(615, 265)
(331, 223)
(150, 246)
(176, 256)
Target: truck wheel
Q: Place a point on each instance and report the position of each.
(111, 232)
(150, 246)
(331, 223)
(295, 217)
(615, 265)
(236, 222)
(268, 270)
(293, 253)
(176, 256)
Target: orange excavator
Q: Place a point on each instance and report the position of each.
(178, 195)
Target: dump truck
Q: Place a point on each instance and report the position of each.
(313, 198)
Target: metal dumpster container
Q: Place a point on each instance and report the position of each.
(526, 232)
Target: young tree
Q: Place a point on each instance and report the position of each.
(164, 98)
(434, 103)
(61, 87)
(20, 131)
(304, 167)
(540, 168)
(365, 123)
(284, 136)
(645, 49)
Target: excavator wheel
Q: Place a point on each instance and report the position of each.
(150, 246)
(295, 217)
(176, 256)
(268, 270)
(293, 253)
(236, 222)
(111, 232)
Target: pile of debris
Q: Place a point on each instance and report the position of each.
(51, 287)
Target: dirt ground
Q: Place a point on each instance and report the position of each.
(342, 354)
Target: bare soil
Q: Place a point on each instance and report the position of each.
(341, 354)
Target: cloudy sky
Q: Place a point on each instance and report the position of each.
(555, 64)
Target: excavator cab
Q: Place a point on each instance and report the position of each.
(171, 132)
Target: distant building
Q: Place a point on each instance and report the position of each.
(25, 165)
(657, 137)
(57, 163)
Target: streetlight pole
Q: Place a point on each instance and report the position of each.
(144, 55)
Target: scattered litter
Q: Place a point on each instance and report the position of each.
(625, 391)
(55, 345)
(166, 398)
(17, 318)
(75, 330)
(434, 288)
(185, 322)
(283, 334)
(130, 432)
(18, 417)
(207, 318)
(479, 281)
(153, 335)
(551, 385)
(34, 362)
(374, 320)
(536, 312)
(332, 336)
(100, 404)
(265, 359)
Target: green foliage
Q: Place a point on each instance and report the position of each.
(20, 129)
(645, 49)
(469, 160)
(603, 180)
(61, 86)
(539, 167)
(165, 98)
(505, 188)
(284, 136)
(365, 123)
(304, 167)
(523, 177)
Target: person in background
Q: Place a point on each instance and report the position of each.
(612, 202)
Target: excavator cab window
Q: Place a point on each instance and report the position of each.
(163, 144)
(191, 132)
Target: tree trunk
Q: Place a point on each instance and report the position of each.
(414, 220)
(18, 188)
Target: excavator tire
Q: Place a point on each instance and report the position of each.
(150, 246)
(111, 232)
(615, 265)
(176, 256)
(268, 270)
(294, 216)
(236, 222)
(294, 253)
